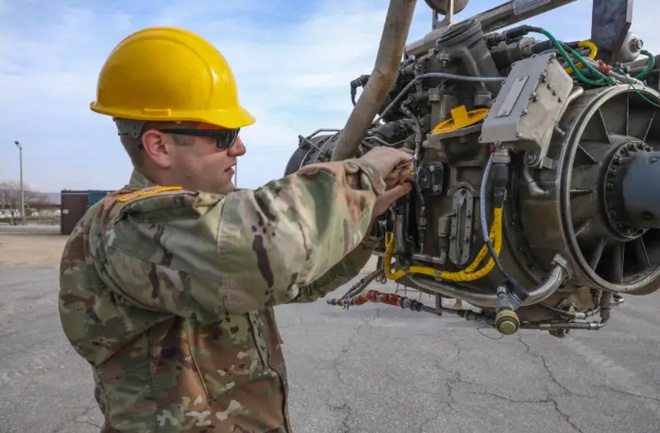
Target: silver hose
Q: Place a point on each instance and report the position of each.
(482, 199)
(487, 300)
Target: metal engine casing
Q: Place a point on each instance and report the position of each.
(569, 146)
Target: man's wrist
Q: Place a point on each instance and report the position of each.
(369, 174)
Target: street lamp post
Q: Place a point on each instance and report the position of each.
(20, 150)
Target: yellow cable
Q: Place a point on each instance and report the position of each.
(466, 274)
(592, 54)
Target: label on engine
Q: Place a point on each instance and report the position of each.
(522, 6)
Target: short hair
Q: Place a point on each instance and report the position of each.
(133, 145)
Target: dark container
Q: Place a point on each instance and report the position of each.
(74, 206)
(96, 196)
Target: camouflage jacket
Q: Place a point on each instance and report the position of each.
(168, 294)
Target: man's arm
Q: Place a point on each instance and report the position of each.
(202, 255)
(341, 273)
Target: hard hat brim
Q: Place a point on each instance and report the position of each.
(232, 118)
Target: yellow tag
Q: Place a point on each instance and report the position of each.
(460, 116)
(145, 192)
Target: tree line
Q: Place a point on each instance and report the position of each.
(10, 200)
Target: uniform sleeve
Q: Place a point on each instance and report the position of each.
(341, 273)
(202, 255)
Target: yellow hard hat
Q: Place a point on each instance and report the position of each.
(169, 74)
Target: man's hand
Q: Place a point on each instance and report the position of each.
(392, 164)
(385, 200)
(395, 166)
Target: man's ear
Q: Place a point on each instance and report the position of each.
(156, 147)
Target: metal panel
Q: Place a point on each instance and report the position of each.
(529, 105)
(74, 206)
(610, 22)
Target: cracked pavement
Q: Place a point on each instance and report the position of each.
(372, 368)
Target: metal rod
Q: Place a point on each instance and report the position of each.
(491, 20)
(507, 14)
(22, 210)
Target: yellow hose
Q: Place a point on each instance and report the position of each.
(466, 274)
(592, 54)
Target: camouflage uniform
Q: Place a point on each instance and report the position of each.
(169, 295)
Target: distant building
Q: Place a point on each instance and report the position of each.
(74, 204)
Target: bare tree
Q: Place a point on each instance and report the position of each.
(10, 198)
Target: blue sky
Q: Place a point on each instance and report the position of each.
(293, 61)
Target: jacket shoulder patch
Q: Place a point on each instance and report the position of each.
(146, 192)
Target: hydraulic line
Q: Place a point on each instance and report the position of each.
(518, 289)
(592, 53)
(467, 274)
(649, 68)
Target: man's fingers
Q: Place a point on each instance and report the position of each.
(390, 196)
(396, 193)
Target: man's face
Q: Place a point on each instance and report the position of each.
(201, 165)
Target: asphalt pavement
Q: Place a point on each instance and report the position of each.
(372, 368)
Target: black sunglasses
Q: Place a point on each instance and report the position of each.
(224, 138)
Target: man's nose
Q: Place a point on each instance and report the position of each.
(238, 149)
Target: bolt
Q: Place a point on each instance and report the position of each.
(648, 148)
(431, 168)
(636, 44)
(524, 112)
(554, 93)
(436, 188)
(530, 158)
(518, 135)
(631, 146)
(549, 86)
(534, 97)
(560, 99)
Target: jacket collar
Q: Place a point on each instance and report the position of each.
(139, 180)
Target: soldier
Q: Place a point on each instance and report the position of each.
(167, 286)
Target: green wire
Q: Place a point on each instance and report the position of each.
(630, 83)
(650, 66)
(603, 79)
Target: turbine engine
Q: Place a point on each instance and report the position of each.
(537, 168)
